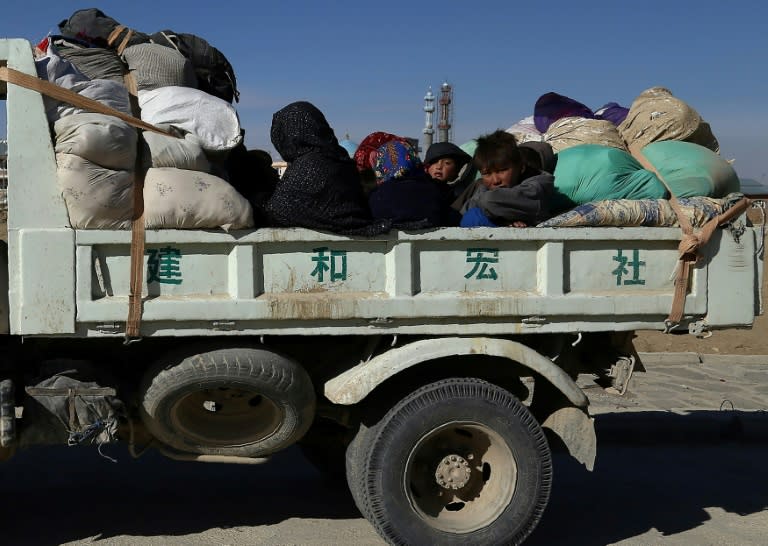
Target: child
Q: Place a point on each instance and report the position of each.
(405, 195)
(510, 192)
(444, 160)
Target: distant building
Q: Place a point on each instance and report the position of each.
(3, 174)
(757, 190)
(445, 109)
(754, 189)
(280, 167)
(445, 118)
(3, 164)
(349, 145)
(429, 113)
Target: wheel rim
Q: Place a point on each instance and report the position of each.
(226, 416)
(460, 477)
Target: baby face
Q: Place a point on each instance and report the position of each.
(444, 169)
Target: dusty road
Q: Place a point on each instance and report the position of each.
(666, 493)
(661, 478)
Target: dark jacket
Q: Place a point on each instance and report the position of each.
(406, 201)
(527, 202)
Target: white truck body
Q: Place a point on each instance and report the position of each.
(270, 281)
(449, 292)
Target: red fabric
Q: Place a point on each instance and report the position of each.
(365, 155)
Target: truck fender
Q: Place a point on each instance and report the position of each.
(572, 425)
(356, 383)
(576, 429)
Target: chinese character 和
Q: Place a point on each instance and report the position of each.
(334, 263)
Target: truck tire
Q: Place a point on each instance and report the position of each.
(246, 402)
(460, 461)
(355, 467)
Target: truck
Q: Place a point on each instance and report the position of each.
(435, 369)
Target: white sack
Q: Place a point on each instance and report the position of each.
(59, 71)
(213, 120)
(182, 199)
(96, 198)
(105, 140)
(108, 92)
(56, 69)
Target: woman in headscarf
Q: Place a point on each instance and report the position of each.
(405, 194)
(320, 189)
(365, 157)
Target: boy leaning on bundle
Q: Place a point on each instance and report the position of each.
(511, 191)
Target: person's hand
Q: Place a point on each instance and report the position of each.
(518, 223)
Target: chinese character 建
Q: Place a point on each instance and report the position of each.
(164, 265)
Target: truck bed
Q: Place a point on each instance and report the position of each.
(66, 282)
(445, 281)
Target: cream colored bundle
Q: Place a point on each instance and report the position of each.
(182, 199)
(657, 115)
(573, 131)
(96, 197)
(104, 140)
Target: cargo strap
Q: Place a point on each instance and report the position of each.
(133, 322)
(66, 95)
(691, 242)
(115, 34)
(136, 281)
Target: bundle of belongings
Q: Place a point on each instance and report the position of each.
(617, 166)
(180, 86)
(644, 212)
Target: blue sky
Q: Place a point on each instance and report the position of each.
(367, 65)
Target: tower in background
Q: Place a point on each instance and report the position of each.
(445, 113)
(429, 111)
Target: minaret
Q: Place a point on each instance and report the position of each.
(429, 110)
(445, 120)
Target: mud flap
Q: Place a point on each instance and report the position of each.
(576, 429)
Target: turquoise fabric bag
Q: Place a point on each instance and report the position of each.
(691, 169)
(591, 172)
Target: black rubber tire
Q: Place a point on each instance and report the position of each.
(386, 487)
(355, 467)
(259, 382)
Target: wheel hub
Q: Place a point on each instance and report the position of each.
(453, 472)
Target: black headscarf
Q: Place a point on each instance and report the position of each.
(320, 188)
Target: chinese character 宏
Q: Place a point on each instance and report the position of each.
(481, 257)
